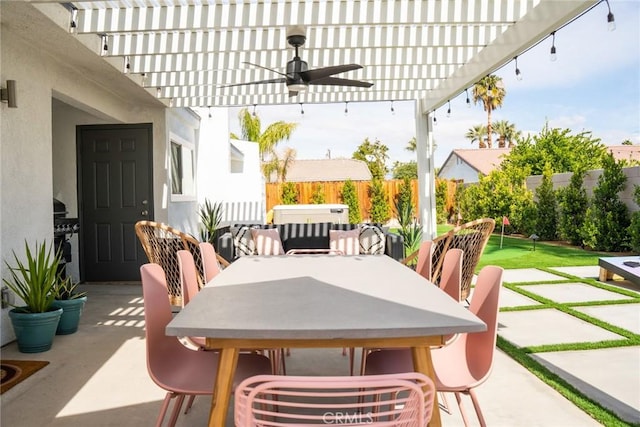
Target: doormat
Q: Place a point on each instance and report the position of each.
(14, 371)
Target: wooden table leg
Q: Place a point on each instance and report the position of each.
(605, 275)
(223, 386)
(422, 363)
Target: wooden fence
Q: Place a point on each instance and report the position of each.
(333, 190)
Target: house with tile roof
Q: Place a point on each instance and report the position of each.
(313, 170)
(467, 164)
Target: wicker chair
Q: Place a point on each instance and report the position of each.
(161, 242)
(471, 237)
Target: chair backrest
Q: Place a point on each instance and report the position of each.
(425, 255)
(451, 276)
(471, 237)
(160, 243)
(404, 399)
(161, 348)
(484, 304)
(210, 265)
(188, 276)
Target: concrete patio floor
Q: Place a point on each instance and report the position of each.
(98, 376)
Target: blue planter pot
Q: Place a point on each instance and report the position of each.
(34, 331)
(71, 312)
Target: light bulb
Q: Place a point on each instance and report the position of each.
(553, 57)
(612, 22)
(518, 75)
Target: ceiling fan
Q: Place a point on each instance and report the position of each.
(298, 76)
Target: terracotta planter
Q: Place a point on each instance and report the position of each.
(71, 312)
(34, 331)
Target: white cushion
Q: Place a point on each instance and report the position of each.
(346, 241)
(267, 241)
(372, 240)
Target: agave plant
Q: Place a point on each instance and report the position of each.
(66, 289)
(33, 281)
(211, 217)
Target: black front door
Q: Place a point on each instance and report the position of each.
(115, 191)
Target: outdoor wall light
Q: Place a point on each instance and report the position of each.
(8, 94)
(553, 55)
(610, 19)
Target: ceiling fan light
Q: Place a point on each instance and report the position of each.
(298, 87)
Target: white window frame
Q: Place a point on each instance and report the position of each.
(189, 181)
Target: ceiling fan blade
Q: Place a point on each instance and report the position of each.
(265, 68)
(320, 73)
(280, 80)
(334, 81)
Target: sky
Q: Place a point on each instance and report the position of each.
(594, 85)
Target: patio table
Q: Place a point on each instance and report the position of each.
(313, 301)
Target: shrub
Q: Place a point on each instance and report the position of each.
(318, 198)
(441, 201)
(410, 228)
(350, 198)
(547, 213)
(634, 228)
(379, 202)
(607, 218)
(289, 193)
(572, 204)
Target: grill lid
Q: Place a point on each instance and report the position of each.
(59, 208)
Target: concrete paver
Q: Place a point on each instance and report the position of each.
(602, 374)
(548, 326)
(573, 292)
(521, 275)
(509, 298)
(587, 272)
(626, 316)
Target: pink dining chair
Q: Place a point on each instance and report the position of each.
(404, 399)
(451, 274)
(172, 366)
(464, 364)
(425, 254)
(210, 265)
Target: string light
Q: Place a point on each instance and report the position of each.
(127, 65)
(301, 109)
(346, 107)
(158, 92)
(610, 19)
(449, 108)
(210, 111)
(144, 79)
(468, 100)
(518, 73)
(553, 55)
(435, 121)
(105, 44)
(171, 102)
(73, 26)
(393, 110)
(254, 110)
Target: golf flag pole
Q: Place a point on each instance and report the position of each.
(505, 221)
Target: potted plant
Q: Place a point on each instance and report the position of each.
(33, 281)
(71, 302)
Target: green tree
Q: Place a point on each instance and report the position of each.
(402, 170)
(317, 197)
(560, 149)
(412, 145)
(251, 130)
(350, 198)
(634, 227)
(490, 92)
(572, 204)
(379, 202)
(374, 154)
(441, 201)
(547, 207)
(507, 133)
(607, 218)
(478, 134)
(289, 193)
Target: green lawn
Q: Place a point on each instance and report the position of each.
(519, 253)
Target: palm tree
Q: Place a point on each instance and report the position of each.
(506, 132)
(490, 91)
(285, 162)
(250, 127)
(477, 133)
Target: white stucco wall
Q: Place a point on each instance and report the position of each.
(242, 193)
(38, 145)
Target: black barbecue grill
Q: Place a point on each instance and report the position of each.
(63, 227)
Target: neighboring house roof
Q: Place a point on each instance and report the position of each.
(480, 160)
(625, 152)
(328, 170)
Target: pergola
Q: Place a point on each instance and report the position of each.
(183, 52)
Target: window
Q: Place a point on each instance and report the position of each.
(183, 186)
